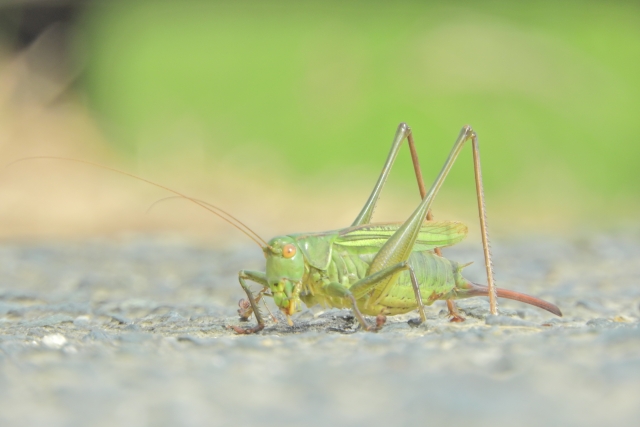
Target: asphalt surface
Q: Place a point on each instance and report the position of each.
(133, 332)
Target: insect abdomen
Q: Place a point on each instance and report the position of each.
(436, 276)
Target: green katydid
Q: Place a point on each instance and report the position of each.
(373, 269)
(377, 269)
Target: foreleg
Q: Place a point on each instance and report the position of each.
(245, 312)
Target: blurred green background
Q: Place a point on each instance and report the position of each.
(312, 92)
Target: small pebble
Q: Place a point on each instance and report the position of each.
(54, 341)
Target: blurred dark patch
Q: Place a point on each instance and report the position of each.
(41, 32)
(23, 21)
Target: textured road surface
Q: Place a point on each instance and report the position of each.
(132, 333)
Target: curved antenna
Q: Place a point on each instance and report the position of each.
(164, 199)
(157, 202)
(226, 216)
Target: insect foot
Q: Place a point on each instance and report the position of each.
(381, 319)
(245, 311)
(246, 331)
(454, 314)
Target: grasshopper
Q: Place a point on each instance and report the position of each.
(377, 269)
(374, 269)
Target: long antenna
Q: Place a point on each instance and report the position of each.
(157, 202)
(226, 216)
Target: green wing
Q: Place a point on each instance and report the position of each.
(433, 234)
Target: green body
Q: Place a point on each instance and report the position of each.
(345, 257)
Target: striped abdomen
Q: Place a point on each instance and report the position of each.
(437, 277)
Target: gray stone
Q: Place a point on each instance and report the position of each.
(146, 343)
(508, 321)
(52, 320)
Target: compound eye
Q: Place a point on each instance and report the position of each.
(288, 251)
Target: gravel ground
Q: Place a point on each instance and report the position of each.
(131, 332)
